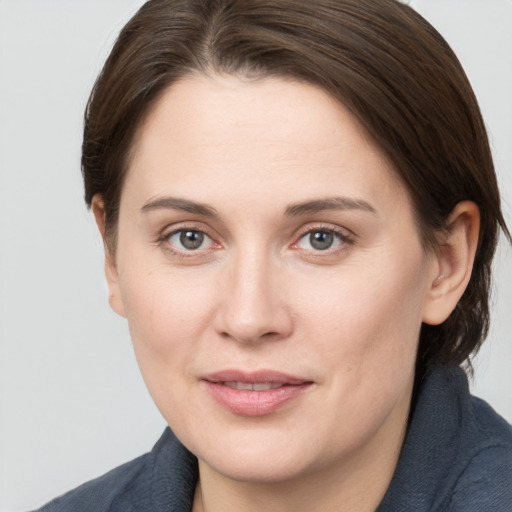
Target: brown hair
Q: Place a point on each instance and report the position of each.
(380, 58)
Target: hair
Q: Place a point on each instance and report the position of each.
(379, 58)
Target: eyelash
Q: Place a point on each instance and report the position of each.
(164, 241)
(344, 239)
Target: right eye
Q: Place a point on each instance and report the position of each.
(187, 240)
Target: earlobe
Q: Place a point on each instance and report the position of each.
(455, 258)
(111, 273)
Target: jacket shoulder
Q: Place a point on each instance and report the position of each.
(161, 480)
(100, 493)
(486, 481)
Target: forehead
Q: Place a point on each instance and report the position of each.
(258, 136)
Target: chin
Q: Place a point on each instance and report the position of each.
(264, 468)
(265, 457)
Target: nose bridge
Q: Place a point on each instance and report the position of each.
(254, 307)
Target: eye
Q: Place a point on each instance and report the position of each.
(189, 240)
(321, 240)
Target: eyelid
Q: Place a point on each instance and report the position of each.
(346, 236)
(344, 233)
(169, 231)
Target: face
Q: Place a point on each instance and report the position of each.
(269, 265)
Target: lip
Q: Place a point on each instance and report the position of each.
(254, 402)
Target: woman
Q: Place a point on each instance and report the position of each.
(299, 211)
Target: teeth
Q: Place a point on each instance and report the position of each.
(263, 387)
(248, 386)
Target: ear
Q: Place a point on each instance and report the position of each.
(111, 273)
(454, 260)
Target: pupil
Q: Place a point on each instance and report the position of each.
(321, 240)
(191, 239)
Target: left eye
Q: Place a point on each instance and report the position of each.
(189, 240)
(320, 240)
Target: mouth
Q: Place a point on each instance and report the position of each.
(247, 386)
(254, 394)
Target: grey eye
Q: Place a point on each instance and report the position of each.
(188, 239)
(321, 240)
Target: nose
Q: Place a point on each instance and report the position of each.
(253, 307)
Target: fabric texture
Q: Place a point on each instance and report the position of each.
(457, 457)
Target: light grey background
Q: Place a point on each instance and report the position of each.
(72, 403)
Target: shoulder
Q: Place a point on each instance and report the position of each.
(457, 454)
(99, 494)
(161, 480)
(485, 481)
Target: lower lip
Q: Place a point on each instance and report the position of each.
(255, 403)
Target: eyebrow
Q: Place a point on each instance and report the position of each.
(176, 203)
(330, 203)
(293, 210)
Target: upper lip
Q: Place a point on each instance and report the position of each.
(256, 377)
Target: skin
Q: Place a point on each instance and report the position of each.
(258, 295)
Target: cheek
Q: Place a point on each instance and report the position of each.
(167, 315)
(366, 327)
(368, 318)
(168, 318)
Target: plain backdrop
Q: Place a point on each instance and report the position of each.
(72, 403)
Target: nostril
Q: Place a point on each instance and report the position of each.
(270, 335)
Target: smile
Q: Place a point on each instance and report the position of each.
(247, 386)
(254, 394)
